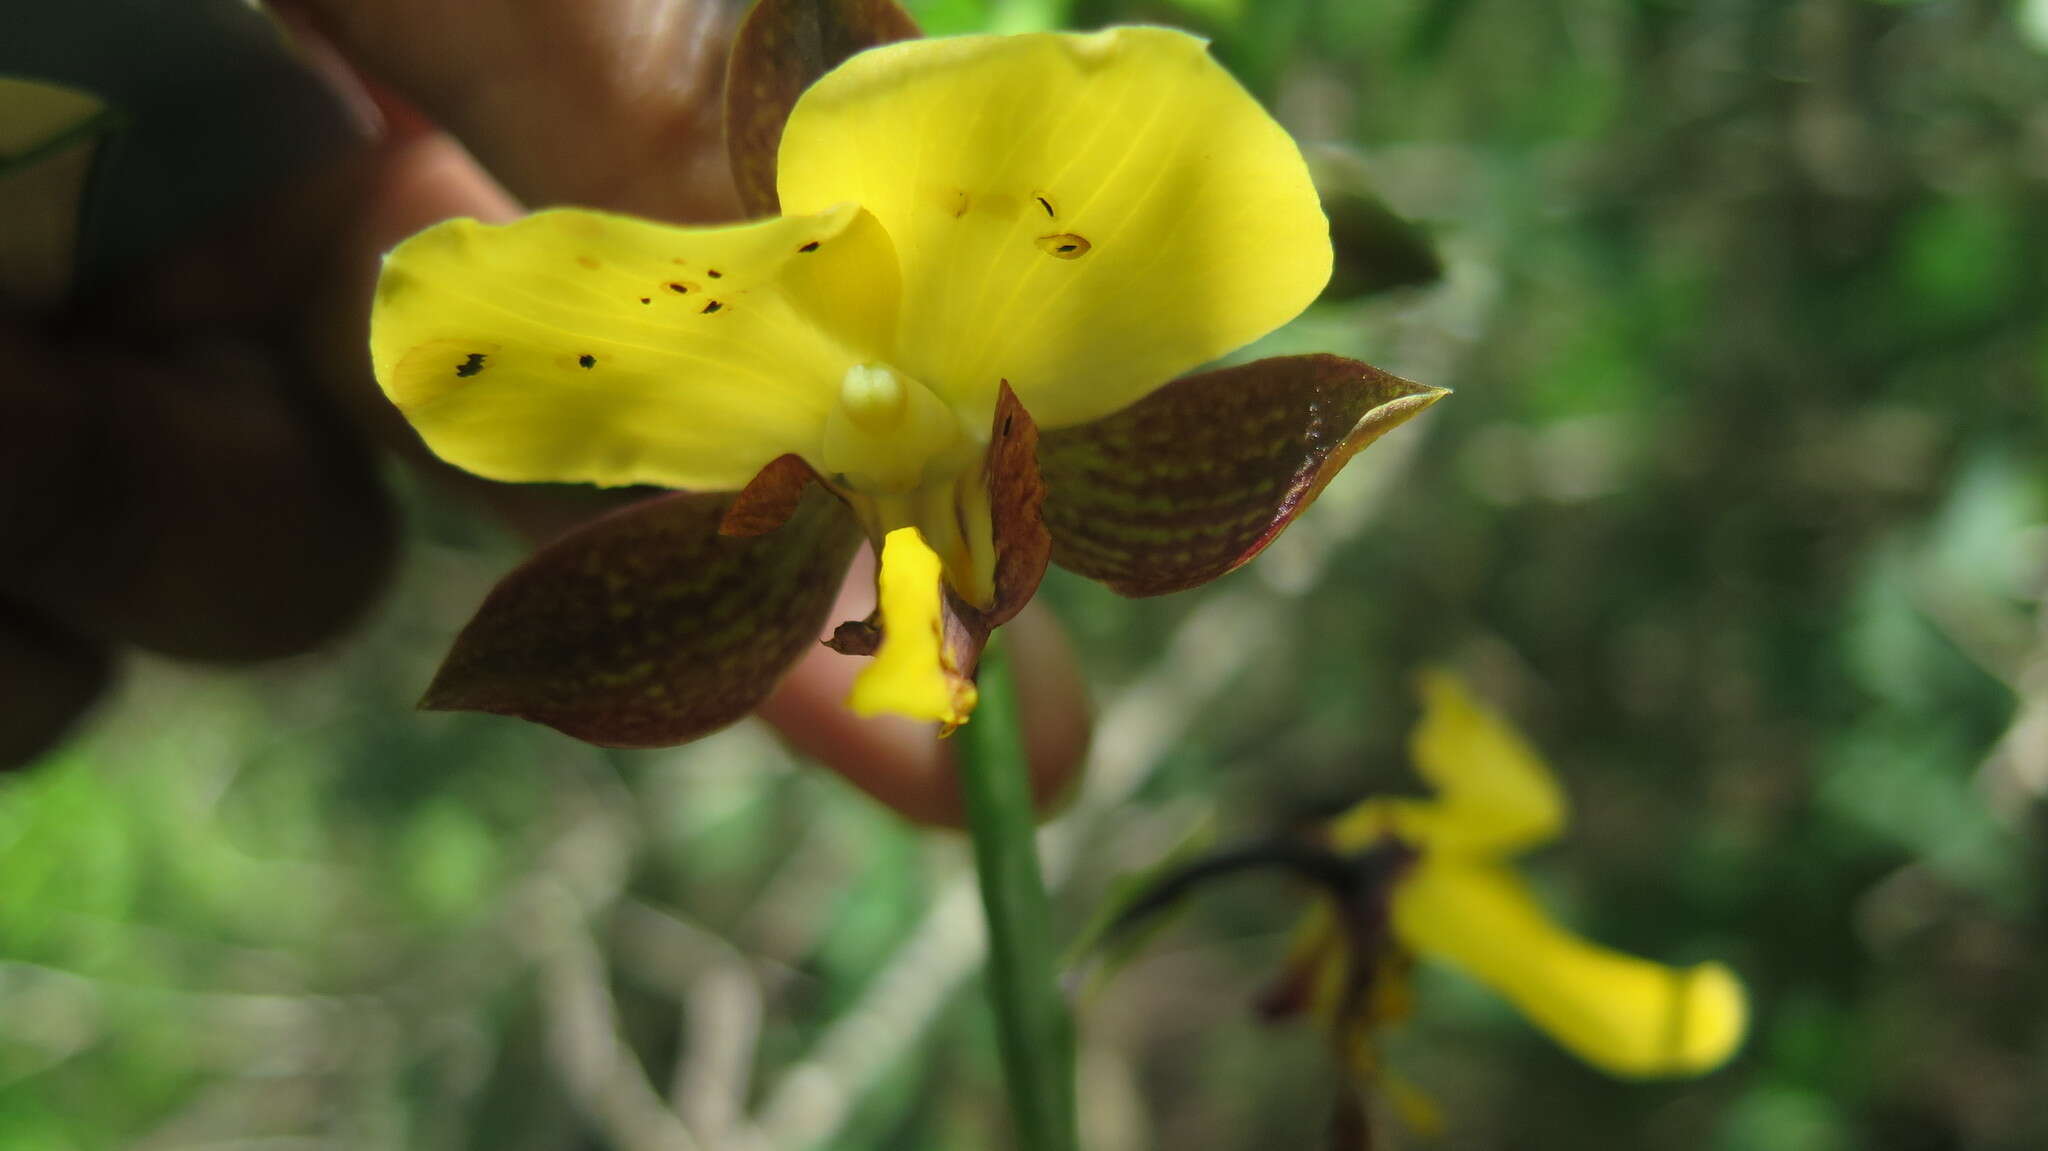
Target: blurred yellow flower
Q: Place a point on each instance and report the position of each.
(1402, 880)
(1453, 897)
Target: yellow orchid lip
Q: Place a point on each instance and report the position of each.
(909, 676)
(955, 269)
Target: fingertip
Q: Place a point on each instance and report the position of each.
(895, 760)
(423, 178)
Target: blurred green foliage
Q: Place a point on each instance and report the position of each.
(1740, 508)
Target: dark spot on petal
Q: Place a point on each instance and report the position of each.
(470, 366)
(587, 360)
(1046, 203)
(810, 247)
(714, 273)
(1064, 245)
(961, 202)
(646, 299)
(712, 307)
(678, 289)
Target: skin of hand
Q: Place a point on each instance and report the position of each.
(131, 516)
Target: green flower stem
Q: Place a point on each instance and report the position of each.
(1033, 1027)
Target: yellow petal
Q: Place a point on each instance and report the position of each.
(36, 113)
(908, 676)
(579, 346)
(1419, 823)
(1625, 1015)
(1083, 215)
(49, 136)
(1494, 792)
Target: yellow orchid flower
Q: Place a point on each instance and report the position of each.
(981, 239)
(1460, 902)
(1431, 878)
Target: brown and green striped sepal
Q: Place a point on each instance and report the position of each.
(1196, 478)
(649, 627)
(781, 48)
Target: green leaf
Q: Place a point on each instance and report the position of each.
(1377, 250)
(1108, 938)
(2032, 17)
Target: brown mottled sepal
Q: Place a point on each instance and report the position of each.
(1193, 480)
(648, 628)
(779, 50)
(1016, 498)
(769, 499)
(1016, 495)
(857, 636)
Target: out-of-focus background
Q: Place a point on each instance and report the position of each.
(1741, 509)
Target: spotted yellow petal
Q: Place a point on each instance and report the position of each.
(909, 677)
(580, 346)
(1625, 1015)
(1494, 793)
(1084, 216)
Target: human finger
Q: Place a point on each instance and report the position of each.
(185, 502)
(610, 103)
